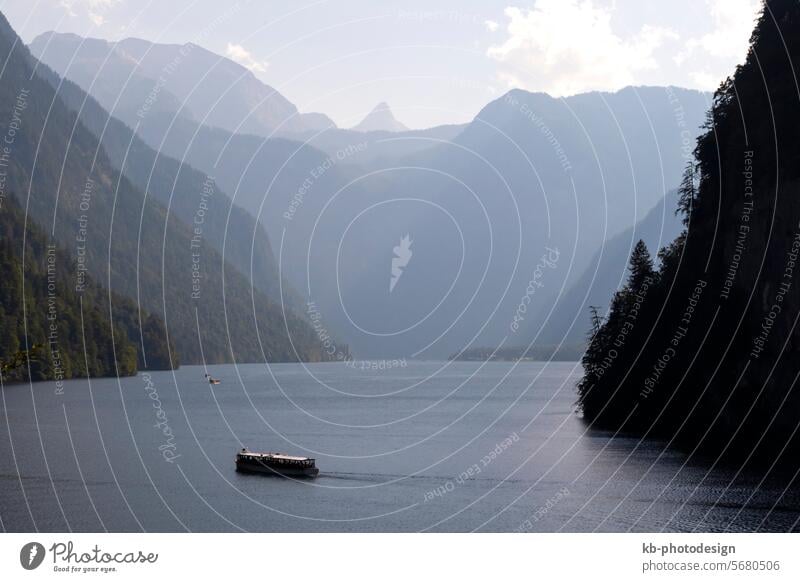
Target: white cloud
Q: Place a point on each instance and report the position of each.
(491, 26)
(239, 54)
(733, 23)
(565, 47)
(94, 9)
(725, 44)
(704, 79)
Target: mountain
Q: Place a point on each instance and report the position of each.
(482, 202)
(243, 164)
(127, 239)
(380, 118)
(563, 319)
(134, 78)
(376, 145)
(66, 326)
(702, 350)
(531, 177)
(529, 172)
(121, 86)
(227, 228)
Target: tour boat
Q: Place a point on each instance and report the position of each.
(277, 464)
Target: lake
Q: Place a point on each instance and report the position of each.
(427, 446)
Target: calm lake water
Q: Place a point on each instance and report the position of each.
(431, 446)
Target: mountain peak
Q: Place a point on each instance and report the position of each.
(380, 118)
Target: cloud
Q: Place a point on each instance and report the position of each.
(725, 44)
(239, 54)
(565, 47)
(733, 23)
(704, 79)
(94, 9)
(491, 26)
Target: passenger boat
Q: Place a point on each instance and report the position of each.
(277, 464)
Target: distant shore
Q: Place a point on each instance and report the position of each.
(542, 353)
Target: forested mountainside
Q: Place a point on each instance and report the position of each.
(703, 349)
(61, 321)
(126, 239)
(180, 187)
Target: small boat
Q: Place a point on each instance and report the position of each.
(211, 380)
(277, 464)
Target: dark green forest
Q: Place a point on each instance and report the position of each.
(701, 346)
(54, 328)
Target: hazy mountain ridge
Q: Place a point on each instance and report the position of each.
(529, 172)
(128, 240)
(380, 118)
(180, 187)
(605, 274)
(185, 80)
(502, 163)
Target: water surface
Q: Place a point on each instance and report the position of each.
(431, 446)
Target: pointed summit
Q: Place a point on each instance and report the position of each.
(380, 119)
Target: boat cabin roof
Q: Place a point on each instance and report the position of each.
(274, 456)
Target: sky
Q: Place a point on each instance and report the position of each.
(435, 61)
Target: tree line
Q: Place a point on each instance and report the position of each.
(699, 346)
(49, 330)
